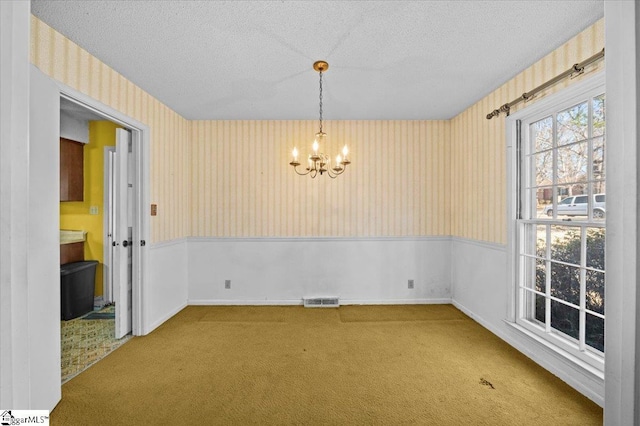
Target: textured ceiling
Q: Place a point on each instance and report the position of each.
(253, 59)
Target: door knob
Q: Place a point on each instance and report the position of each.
(126, 243)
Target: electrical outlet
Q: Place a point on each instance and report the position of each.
(410, 285)
(227, 283)
(94, 210)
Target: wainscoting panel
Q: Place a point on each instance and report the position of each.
(166, 294)
(283, 271)
(480, 289)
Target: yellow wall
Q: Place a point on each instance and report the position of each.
(65, 61)
(478, 162)
(75, 214)
(243, 186)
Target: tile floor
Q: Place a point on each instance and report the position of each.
(85, 342)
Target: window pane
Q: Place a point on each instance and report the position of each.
(565, 244)
(541, 241)
(544, 168)
(544, 200)
(542, 134)
(540, 308)
(598, 115)
(541, 275)
(599, 205)
(595, 248)
(598, 159)
(565, 319)
(572, 166)
(595, 332)
(595, 291)
(573, 124)
(565, 283)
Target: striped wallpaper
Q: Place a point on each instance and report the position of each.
(478, 145)
(63, 60)
(243, 186)
(232, 178)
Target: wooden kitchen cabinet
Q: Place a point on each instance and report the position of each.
(71, 170)
(73, 252)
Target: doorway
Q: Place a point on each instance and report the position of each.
(139, 212)
(128, 196)
(97, 199)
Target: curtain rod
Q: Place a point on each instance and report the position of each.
(575, 70)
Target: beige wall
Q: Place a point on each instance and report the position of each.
(63, 60)
(232, 178)
(478, 166)
(243, 186)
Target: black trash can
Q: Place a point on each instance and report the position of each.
(77, 283)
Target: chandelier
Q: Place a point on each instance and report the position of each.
(319, 163)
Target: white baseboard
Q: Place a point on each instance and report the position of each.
(253, 302)
(443, 301)
(159, 322)
(543, 358)
(247, 302)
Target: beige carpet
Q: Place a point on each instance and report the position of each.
(374, 365)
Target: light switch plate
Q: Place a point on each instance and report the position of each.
(94, 210)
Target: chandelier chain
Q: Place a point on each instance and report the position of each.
(320, 101)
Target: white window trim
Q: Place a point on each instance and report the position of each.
(572, 94)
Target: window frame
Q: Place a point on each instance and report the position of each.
(516, 180)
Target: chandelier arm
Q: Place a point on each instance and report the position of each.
(333, 174)
(295, 168)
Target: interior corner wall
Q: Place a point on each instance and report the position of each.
(479, 222)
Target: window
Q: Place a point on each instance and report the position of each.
(560, 223)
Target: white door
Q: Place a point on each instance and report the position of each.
(122, 277)
(43, 276)
(110, 220)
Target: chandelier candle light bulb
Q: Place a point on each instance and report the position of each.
(320, 163)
